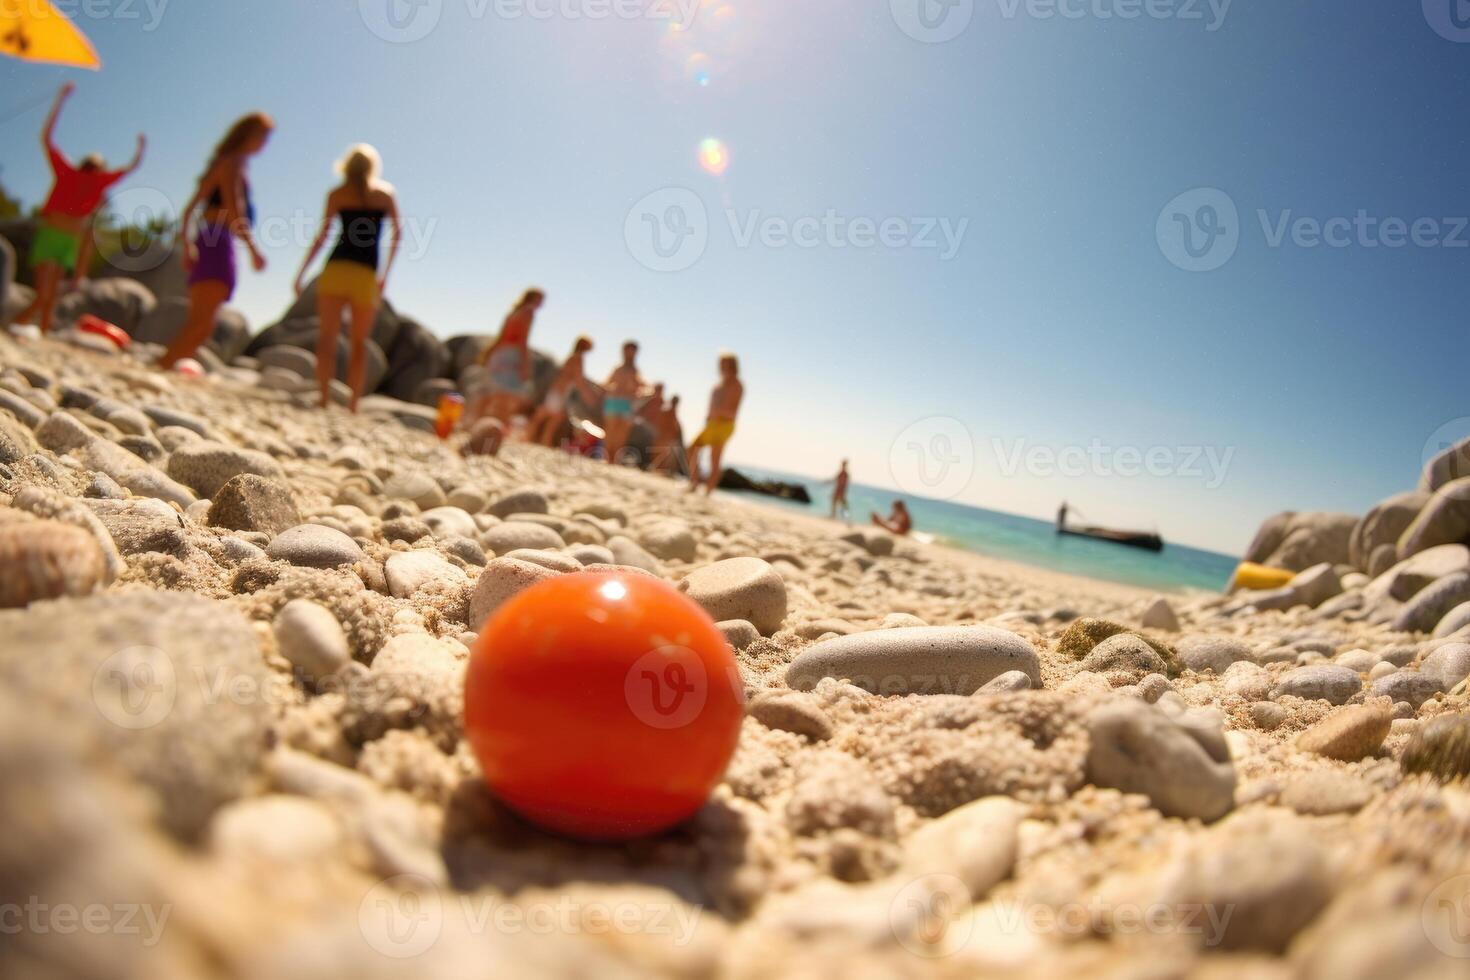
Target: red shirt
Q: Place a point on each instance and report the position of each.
(76, 193)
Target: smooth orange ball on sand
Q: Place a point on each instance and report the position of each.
(603, 706)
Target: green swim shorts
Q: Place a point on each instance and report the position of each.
(54, 245)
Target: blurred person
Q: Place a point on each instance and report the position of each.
(63, 243)
(508, 361)
(351, 281)
(623, 386)
(839, 492)
(551, 414)
(899, 522)
(223, 193)
(724, 405)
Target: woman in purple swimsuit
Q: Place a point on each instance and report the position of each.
(209, 257)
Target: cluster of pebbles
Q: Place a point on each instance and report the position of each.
(234, 635)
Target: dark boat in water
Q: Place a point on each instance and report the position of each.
(1146, 540)
(1143, 540)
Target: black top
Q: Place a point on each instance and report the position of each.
(217, 200)
(362, 229)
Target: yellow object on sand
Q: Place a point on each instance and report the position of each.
(1259, 577)
(34, 30)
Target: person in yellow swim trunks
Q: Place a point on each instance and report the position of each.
(351, 281)
(724, 405)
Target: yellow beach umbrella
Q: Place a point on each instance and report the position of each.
(34, 30)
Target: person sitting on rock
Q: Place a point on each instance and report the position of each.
(508, 362)
(63, 242)
(899, 522)
(351, 280)
(551, 414)
(668, 440)
(724, 405)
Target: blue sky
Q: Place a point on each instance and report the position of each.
(1314, 374)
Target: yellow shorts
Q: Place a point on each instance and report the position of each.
(716, 433)
(352, 281)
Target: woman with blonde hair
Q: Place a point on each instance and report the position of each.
(224, 194)
(351, 280)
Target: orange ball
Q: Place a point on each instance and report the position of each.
(603, 706)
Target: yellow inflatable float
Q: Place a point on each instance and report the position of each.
(1250, 575)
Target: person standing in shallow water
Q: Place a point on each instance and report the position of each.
(62, 245)
(209, 258)
(839, 492)
(351, 281)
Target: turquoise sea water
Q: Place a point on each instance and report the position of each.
(1021, 539)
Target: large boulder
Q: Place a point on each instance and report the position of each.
(123, 302)
(161, 273)
(416, 356)
(1297, 541)
(304, 334)
(385, 325)
(231, 330)
(1445, 519)
(18, 233)
(7, 279)
(1384, 524)
(1450, 464)
(16, 299)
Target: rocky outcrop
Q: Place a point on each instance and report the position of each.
(1296, 541)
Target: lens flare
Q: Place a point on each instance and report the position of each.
(697, 68)
(714, 156)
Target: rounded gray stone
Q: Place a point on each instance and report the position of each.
(314, 546)
(917, 660)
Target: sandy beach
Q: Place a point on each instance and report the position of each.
(231, 713)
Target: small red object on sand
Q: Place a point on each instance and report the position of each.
(190, 367)
(88, 323)
(451, 410)
(603, 706)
